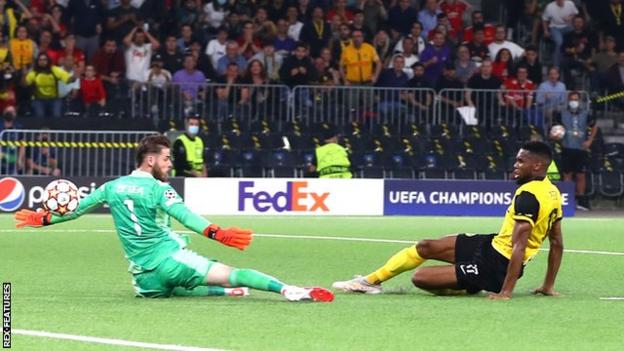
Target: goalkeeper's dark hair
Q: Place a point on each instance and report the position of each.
(539, 148)
(152, 144)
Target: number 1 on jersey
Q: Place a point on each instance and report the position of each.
(130, 205)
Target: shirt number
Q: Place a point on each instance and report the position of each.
(130, 205)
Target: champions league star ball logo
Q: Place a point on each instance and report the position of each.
(12, 194)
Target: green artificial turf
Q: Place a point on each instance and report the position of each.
(72, 279)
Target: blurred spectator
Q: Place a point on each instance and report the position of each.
(283, 44)
(293, 23)
(234, 25)
(12, 158)
(171, 55)
(454, 10)
(451, 95)
(391, 100)
(248, 44)
(340, 9)
(316, 33)
(276, 10)
(444, 27)
(420, 100)
(383, 46)
(264, 29)
(50, 21)
(122, 20)
(189, 79)
(46, 45)
(186, 38)
(326, 69)
(337, 45)
(374, 14)
(188, 151)
(557, 19)
(92, 92)
(415, 34)
(551, 95)
(86, 17)
(435, 57)
(401, 17)
(187, 13)
(615, 75)
(11, 18)
(270, 60)
(214, 15)
(500, 43)
(611, 19)
(428, 16)
(464, 66)
(232, 97)
(358, 23)
(531, 61)
(485, 102)
(71, 50)
(600, 63)
(262, 97)
(502, 67)
(109, 62)
(42, 160)
(69, 92)
(244, 8)
(138, 54)
(305, 9)
(576, 146)
(519, 96)
(7, 90)
(202, 61)
(216, 47)
(158, 77)
(359, 62)
(43, 79)
(578, 46)
(231, 56)
(22, 49)
(489, 31)
(409, 56)
(477, 46)
(298, 68)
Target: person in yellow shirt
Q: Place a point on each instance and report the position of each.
(23, 49)
(492, 262)
(43, 79)
(359, 62)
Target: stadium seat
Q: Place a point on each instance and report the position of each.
(281, 164)
(221, 163)
(371, 172)
(494, 174)
(611, 183)
(464, 173)
(301, 142)
(433, 173)
(250, 164)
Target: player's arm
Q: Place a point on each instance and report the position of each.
(29, 218)
(172, 204)
(555, 254)
(526, 211)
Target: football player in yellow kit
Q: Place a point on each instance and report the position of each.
(490, 262)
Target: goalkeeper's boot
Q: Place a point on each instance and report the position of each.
(314, 294)
(241, 291)
(358, 285)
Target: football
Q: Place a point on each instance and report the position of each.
(557, 132)
(61, 197)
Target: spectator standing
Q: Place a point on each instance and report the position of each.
(270, 61)
(464, 66)
(86, 17)
(109, 62)
(502, 67)
(216, 47)
(215, 13)
(231, 56)
(359, 62)
(435, 57)
(69, 92)
(138, 54)
(391, 100)
(92, 91)
(298, 68)
(283, 44)
(551, 95)
(171, 54)
(42, 160)
(454, 10)
(122, 20)
(485, 102)
(557, 19)
(71, 50)
(409, 57)
(421, 100)
(23, 50)
(532, 63)
(188, 151)
(611, 19)
(477, 46)
(186, 38)
(383, 46)
(44, 78)
(500, 43)
(400, 19)
(578, 46)
(428, 16)
(375, 14)
(12, 158)
(189, 80)
(489, 30)
(600, 63)
(293, 23)
(316, 33)
(202, 61)
(415, 34)
(519, 97)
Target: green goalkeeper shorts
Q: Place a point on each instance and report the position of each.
(184, 269)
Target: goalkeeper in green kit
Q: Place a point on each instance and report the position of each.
(141, 205)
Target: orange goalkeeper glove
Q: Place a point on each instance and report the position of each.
(235, 237)
(28, 218)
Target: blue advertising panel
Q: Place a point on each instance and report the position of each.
(458, 197)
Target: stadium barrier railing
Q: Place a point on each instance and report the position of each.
(68, 152)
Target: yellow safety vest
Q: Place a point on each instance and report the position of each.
(332, 161)
(194, 151)
(553, 172)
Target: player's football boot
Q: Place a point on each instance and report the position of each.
(358, 285)
(236, 291)
(314, 294)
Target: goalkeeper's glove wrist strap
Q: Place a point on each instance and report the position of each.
(211, 231)
(47, 219)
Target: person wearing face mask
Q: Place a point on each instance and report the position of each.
(188, 151)
(576, 146)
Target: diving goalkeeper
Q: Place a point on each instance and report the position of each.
(142, 205)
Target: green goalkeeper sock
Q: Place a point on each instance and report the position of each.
(209, 290)
(255, 280)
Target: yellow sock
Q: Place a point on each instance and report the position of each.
(404, 260)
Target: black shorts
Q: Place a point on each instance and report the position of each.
(574, 161)
(478, 266)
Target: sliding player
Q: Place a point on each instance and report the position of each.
(141, 205)
(491, 262)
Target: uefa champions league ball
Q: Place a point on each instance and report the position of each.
(557, 132)
(60, 197)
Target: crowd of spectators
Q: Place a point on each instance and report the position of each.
(77, 55)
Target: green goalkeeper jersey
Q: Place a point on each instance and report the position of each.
(141, 207)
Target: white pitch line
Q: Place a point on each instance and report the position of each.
(613, 298)
(288, 236)
(107, 341)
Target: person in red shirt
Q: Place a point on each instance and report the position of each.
(503, 65)
(248, 43)
(71, 50)
(454, 10)
(489, 30)
(340, 9)
(92, 91)
(518, 95)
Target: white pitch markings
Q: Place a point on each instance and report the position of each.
(106, 341)
(613, 298)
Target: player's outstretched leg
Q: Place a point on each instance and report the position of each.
(442, 249)
(209, 290)
(220, 274)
